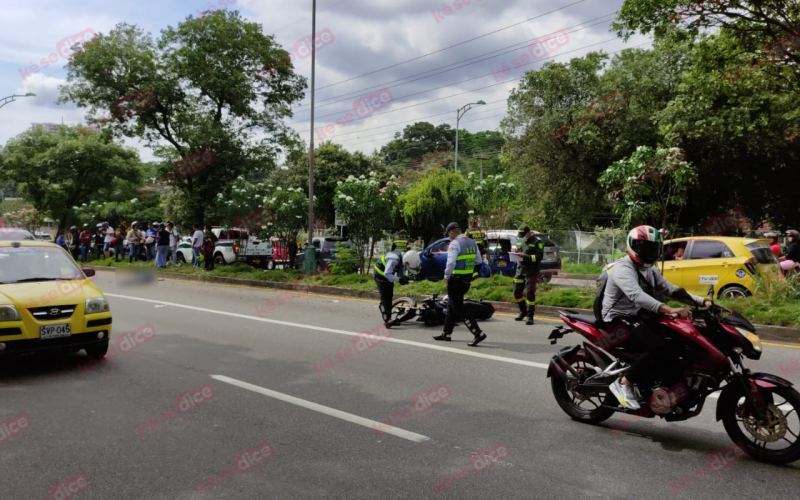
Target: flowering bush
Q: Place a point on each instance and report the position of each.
(366, 209)
(489, 194)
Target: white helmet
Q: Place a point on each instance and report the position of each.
(411, 261)
(644, 245)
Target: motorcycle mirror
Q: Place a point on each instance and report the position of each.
(711, 292)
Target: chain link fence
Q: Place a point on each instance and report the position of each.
(590, 247)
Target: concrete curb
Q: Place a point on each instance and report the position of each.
(766, 332)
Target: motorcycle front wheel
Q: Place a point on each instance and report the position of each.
(583, 408)
(775, 440)
(403, 309)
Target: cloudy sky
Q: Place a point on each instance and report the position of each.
(425, 58)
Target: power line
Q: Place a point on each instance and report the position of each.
(451, 46)
(453, 95)
(309, 17)
(511, 48)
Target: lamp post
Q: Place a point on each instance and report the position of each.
(459, 113)
(11, 98)
(310, 260)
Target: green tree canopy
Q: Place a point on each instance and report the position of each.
(59, 172)
(202, 89)
(430, 204)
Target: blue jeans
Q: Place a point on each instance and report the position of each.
(119, 249)
(84, 251)
(133, 250)
(161, 256)
(196, 251)
(174, 254)
(150, 251)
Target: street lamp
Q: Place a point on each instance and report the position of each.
(310, 260)
(6, 100)
(459, 113)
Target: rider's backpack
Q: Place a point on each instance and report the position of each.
(602, 281)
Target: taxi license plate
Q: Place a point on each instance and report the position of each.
(501, 263)
(55, 331)
(256, 261)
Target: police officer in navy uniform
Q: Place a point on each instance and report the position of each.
(476, 234)
(461, 258)
(386, 274)
(531, 249)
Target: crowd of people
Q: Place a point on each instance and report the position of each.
(157, 243)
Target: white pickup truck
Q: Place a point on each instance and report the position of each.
(236, 245)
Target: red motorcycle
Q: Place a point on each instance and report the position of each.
(760, 411)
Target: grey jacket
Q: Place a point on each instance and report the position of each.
(624, 295)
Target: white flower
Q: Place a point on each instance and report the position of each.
(349, 198)
(133, 201)
(350, 178)
(279, 188)
(284, 167)
(471, 212)
(342, 196)
(393, 177)
(75, 208)
(297, 217)
(339, 183)
(372, 173)
(478, 187)
(471, 174)
(83, 205)
(362, 177)
(511, 185)
(240, 177)
(498, 176)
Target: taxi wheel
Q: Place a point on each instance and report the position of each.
(733, 292)
(97, 351)
(181, 258)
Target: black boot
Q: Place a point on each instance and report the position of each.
(477, 339)
(521, 314)
(531, 310)
(445, 337)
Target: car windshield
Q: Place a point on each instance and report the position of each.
(21, 264)
(14, 234)
(762, 253)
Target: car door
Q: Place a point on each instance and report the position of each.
(674, 262)
(434, 260)
(708, 262)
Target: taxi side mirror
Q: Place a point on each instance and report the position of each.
(88, 271)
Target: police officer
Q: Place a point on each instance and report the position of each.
(479, 237)
(386, 270)
(531, 249)
(461, 257)
(401, 243)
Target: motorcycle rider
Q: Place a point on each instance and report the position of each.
(629, 292)
(462, 255)
(386, 270)
(531, 249)
(775, 246)
(793, 249)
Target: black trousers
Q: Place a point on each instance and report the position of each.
(525, 292)
(209, 260)
(457, 287)
(386, 291)
(657, 357)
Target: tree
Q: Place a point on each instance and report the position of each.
(489, 194)
(204, 89)
(437, 199)
(646, 186)
(415, 141)
(332, 163)
(57, 172)
(367, 214)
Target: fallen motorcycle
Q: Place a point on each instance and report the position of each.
(432, 311)
(758, 410)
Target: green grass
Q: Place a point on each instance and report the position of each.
(762, 310)
(572, 268)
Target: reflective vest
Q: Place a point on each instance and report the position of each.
(467, 255)
(477, 235)
(380, 266)
(401, 245)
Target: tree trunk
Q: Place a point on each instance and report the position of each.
(371, 252)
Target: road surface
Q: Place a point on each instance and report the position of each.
(221, 402)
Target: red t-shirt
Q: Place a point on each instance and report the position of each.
(85, 237)
(776, 249)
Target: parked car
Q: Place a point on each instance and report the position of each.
(185, 252)
(730, 264)
(326, 250)
(235, 244)
(503, 241)
(15, 233)
(433, 260)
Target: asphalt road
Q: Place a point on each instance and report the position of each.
(273, 411)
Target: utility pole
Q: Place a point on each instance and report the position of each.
(310, 261)
(459, 113)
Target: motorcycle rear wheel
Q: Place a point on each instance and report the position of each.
(784, 422)
(402, 309)
(571, 402)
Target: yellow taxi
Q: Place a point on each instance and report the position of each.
(730, 264)
(48, 303)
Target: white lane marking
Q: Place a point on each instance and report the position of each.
(372, 424)
(342, 332)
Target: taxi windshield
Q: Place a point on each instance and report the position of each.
(29, 264)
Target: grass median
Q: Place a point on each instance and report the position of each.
(766, 309)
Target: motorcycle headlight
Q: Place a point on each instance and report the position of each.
(94, 306)
(9, 313)
(751, 337)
